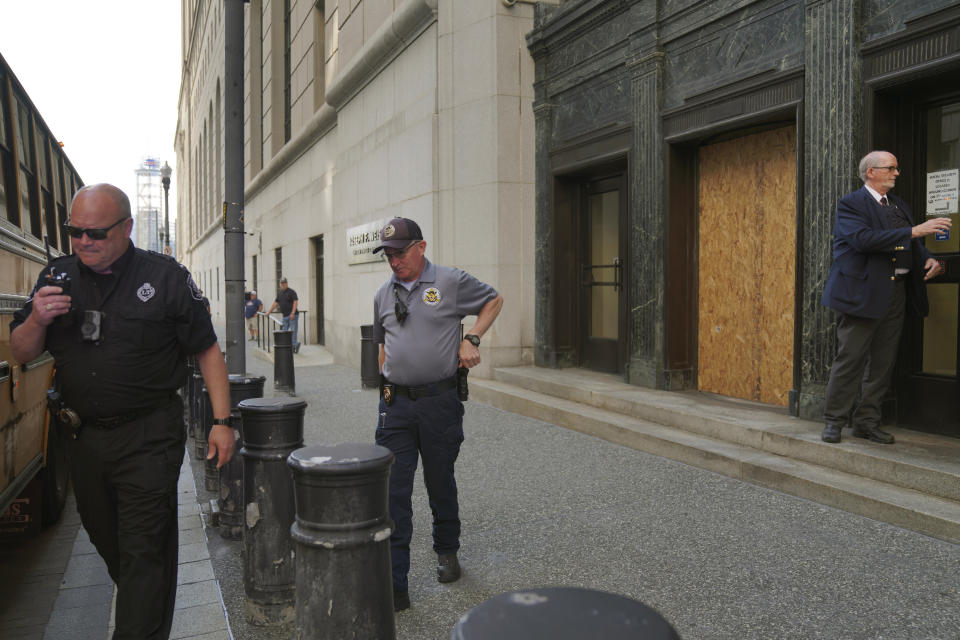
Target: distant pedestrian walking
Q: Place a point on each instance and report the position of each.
(416, 320)
(251, 308)
(287, 301)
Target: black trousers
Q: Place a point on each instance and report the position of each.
(866, 354)
(125, 481)
(430, 428)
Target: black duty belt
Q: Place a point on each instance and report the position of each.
(112, 422)
(421, 391)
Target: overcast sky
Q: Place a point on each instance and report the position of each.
(105, 76)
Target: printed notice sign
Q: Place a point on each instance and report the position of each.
(942, 188)
(362, 240)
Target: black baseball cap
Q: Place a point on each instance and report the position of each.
(398, 233)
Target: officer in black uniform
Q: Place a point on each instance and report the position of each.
(120, 323)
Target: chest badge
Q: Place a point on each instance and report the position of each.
(146, 291)
(431, 296)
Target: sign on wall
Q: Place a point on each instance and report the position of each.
(942, 188)
(362, 240)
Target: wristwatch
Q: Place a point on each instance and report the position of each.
(222, 421)
(472, 339)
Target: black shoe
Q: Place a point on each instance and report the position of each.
(831, 433)
(448, 567)
(296, 348)
(873, 434)
(401, 600)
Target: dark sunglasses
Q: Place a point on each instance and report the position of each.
(399, 308)
(93, 234)
(399, 253)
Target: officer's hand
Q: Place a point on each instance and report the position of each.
(221, 444)
(48, 303)
(469, 354)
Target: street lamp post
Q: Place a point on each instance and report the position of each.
(165, 180)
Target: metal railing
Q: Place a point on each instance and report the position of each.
(268, 323)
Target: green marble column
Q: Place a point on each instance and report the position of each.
(646, 281)
(832, 134)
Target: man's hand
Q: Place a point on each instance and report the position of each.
(48, 303)
(221, 444)
(933, 268)
(469, 354)
(931, 226)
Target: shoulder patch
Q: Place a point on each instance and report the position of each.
(195, 291)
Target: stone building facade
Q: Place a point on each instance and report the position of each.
(689, 157)
(357, 111)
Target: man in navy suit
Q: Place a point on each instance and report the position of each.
(879, 267)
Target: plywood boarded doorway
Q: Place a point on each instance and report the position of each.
(747, 246)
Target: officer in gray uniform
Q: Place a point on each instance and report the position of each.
(416, 320)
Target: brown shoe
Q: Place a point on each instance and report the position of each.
(874, 434)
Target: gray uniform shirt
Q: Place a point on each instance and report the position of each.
(424, 348)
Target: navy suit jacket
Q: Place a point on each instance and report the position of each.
(865, 254)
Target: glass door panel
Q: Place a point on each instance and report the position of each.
(602, 343)
(943, 174)
(940, 330)
(604, 212)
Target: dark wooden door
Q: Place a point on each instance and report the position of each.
(928, 384)
(602, 269)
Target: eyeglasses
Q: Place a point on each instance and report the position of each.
(892, 167)
(399, 253)
(94, 233)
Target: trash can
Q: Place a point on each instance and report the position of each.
(369, 358)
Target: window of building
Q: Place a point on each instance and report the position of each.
(45, 172)
(27, 161)
(287, 72)
(62, 190)
(278, 260)
(254, 279)
(319, 55)
(8, 209)
(217, 161)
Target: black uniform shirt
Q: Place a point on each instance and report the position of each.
(285, 300)
(153, 318)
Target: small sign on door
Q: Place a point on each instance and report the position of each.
(942, 190)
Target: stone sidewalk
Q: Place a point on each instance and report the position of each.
(719, 558)
(84, 606)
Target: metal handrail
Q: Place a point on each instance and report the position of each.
(264, 320)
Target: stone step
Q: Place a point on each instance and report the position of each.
(926, 463)
(904, 507)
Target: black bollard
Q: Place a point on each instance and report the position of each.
(562, 613)
(230, 502)
(342, 535)
(272, 429)
(369, 358)
(211, 475)
(283, 376)
(197, 408)
(185, 391)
